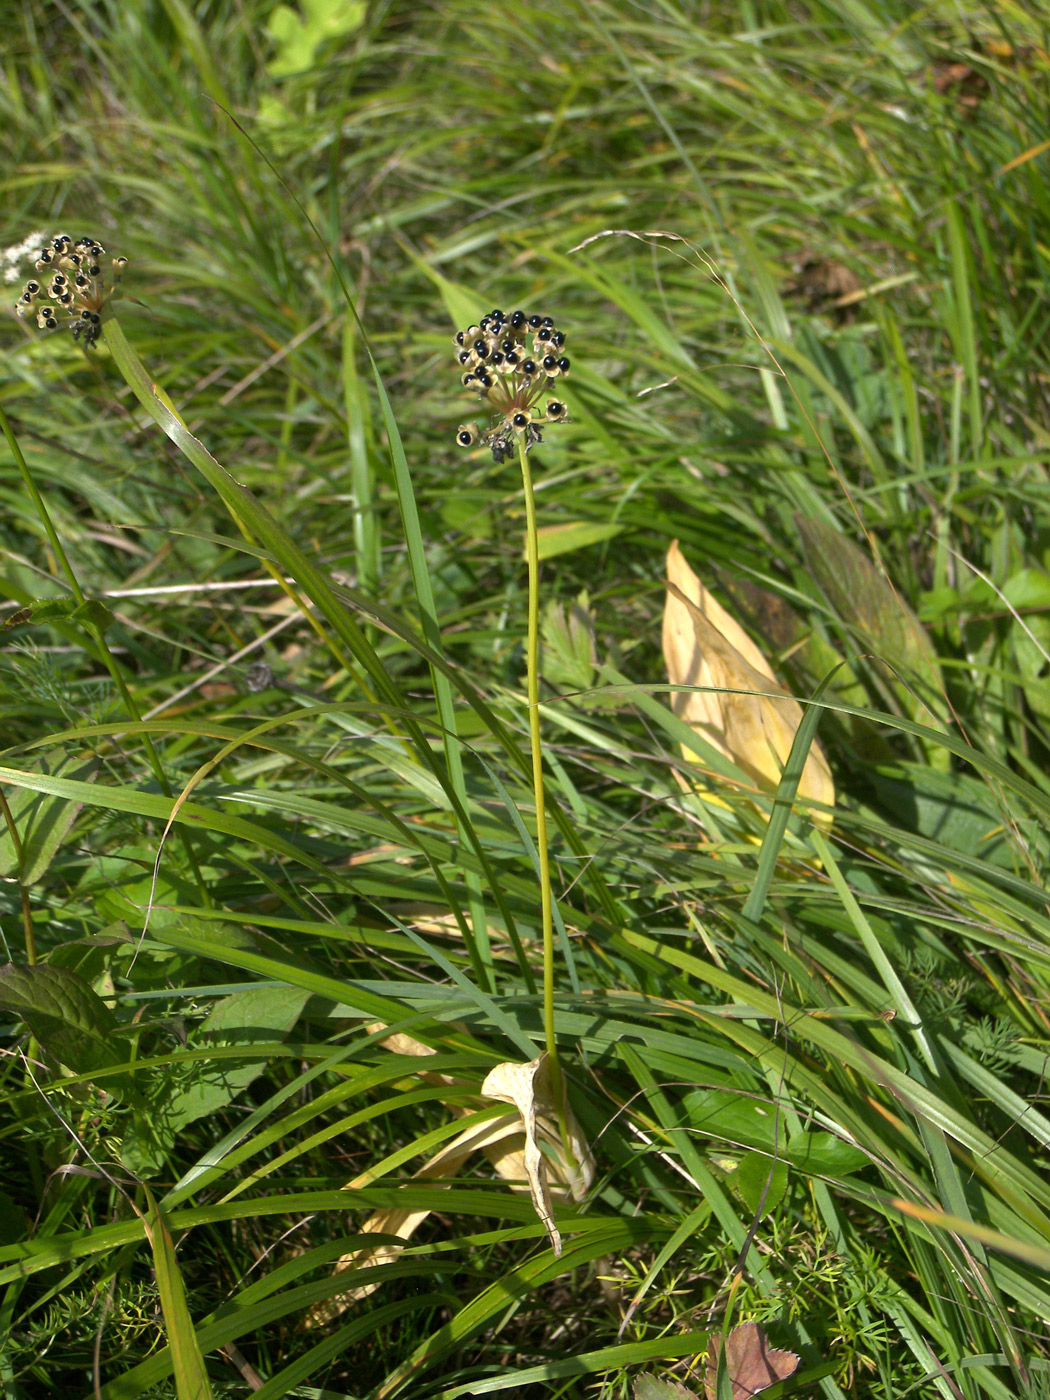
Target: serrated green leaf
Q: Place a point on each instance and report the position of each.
(44, 610)
(568, 656)
(72, 1024)
(649, 1388)
(17, 619)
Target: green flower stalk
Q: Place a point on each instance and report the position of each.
(511, 362)
(79, 289)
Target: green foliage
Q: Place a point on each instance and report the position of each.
(298, 37)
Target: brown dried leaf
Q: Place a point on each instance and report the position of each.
(752, 1364)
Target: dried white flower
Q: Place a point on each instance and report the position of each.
(10, 258)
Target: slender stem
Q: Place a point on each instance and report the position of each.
(27, 908)
(532, 657)
(41, 510)
(98, 636)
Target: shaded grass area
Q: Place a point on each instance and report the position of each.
(800, 254)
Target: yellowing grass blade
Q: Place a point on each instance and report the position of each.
(191, 1377)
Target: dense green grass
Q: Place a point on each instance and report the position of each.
(801, 255)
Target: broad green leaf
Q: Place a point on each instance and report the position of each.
(864, 600)
(649, 1388)
(572, 535)
(255, 1018)
(761, 1182)
(42, 822)
(94, 615)
(74, 1026)
(823, 1154)
(191, 1376)
(41, 611)
(734, 1119)
(297, 36)
(953, 809)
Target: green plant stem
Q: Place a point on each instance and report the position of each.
(27, 908)
(532, 659)
(98, 636)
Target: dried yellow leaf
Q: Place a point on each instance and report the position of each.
(741, 709)
(528, 1088)
(511, 1144)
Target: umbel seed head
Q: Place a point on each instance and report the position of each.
(509, 361)
(80, 288)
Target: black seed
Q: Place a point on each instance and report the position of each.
(564, 363)
(550, 362)
(535, 321)
(529, 367)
